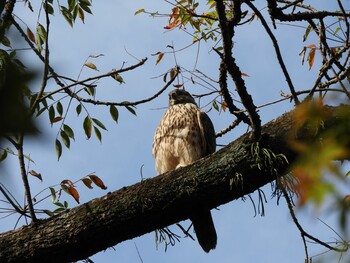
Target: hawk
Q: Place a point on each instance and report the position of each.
(184, 135)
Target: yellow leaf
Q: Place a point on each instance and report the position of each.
(224, 105)
(81, 14)
(91, 65)
(87, 182)
(160, 56)
(139, 11)
(311, 57)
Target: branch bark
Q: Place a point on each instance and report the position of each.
(154, 203)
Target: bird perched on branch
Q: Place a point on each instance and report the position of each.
(184, 135)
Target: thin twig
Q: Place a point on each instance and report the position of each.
(277, 50)
(46, 60)
(125, 103)
(300, 228)
(25, 178)
(82, 82)
(9, 199)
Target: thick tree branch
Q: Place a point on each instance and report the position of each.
(277, 13)
(154, 203)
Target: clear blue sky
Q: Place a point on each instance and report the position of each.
(113, 29)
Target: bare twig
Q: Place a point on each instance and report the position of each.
(83, 82)
(277, 13)
(125, 103)
(277, 50)
(10, 200)
(303, 233)
(46, 60)
(229, 128)
(25, 178)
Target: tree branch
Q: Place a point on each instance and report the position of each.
(226, 175)
(25, 178)
(277, 13)
(277, 50)
(227, 32)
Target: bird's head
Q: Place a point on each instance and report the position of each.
(180, 96)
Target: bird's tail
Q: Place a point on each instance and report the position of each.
(205, 230)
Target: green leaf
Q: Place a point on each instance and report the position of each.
(49, 8)
(71, 4)
(48, 212)
(59, 210)
(114, 113)
(40, 112)
(215, 105)
(58, 204)
(65, 138)
(307, 32)
(336, 31)
(129, 108)
(5, 41)
(84, 4)
(118, 78)
(68, 130)
(75, 12)
(99, 124)
(67, 15)
(59, 108)
(51, 113)
(3, 155)
(87, 126)
(40, 37)
(53, 194)
(58, 149)
(65, 188)
(28, 158)
(90, 90)
(98, 134)
(9, 150)
(78, 109)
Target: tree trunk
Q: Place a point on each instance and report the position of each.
(228, 174)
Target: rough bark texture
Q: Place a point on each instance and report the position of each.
(154, 203)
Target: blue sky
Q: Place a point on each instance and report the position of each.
(126, 147)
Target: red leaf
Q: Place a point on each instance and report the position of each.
(30, 35)
(311, 57)
(56, 119)
(68, 182)
(87, 182)
(35, 174)
(97, 181)
(160, 56)
(73, 192)
(311, 46)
